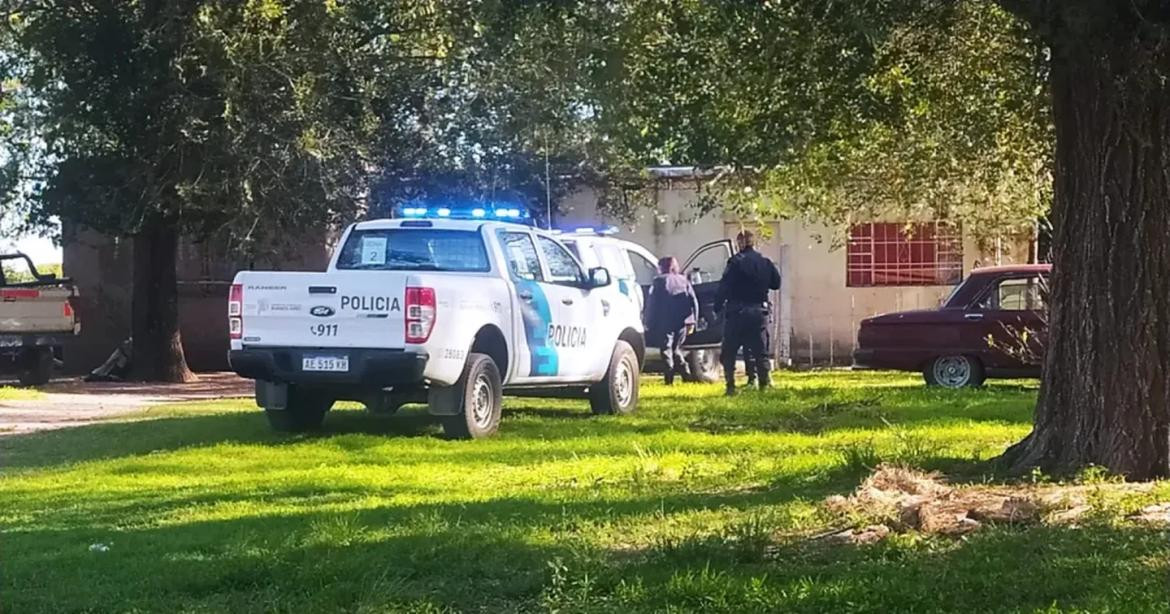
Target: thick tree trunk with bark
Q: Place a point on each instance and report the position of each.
(158, 347)
(1105, 396)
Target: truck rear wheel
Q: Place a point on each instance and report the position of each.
(36, 367)
(617, 393)
(304, 411)
(480, 395)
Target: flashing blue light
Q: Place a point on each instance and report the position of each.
(597, 230)
(504, 213)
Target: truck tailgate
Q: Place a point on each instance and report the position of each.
(356, 309)
(36, 310)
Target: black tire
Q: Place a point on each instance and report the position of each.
(954, 371)
(480, 395)
(36, 367)
(305, 412)
(617, 393)
(704, 366)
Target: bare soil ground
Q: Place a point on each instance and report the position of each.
(68, 403)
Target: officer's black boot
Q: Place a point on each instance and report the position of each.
(765, 375)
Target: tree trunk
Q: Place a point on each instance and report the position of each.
(1106, 386)
(158, 347)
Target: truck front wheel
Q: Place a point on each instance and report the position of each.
(618, 392)
(480, 395)
(304, 411)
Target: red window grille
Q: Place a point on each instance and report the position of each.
(893, 254)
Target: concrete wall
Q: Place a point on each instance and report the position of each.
(816, 314)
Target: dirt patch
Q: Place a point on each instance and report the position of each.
(75, 403)
(896, 499)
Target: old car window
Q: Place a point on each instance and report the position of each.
(1024, 294)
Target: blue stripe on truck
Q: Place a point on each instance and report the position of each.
(537, 316)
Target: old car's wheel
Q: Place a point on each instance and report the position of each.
(704, 366)
(954, 371)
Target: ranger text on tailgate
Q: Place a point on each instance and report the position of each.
(451, 313)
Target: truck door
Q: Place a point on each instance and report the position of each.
(705, 270)
(534, 359)
(572, 332)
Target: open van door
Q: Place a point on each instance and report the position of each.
(705, 270)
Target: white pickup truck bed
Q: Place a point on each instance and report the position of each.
(36, 320)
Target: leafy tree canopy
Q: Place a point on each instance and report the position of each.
(829, 111)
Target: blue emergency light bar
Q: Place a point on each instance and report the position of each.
(590, 230)
(510, 213)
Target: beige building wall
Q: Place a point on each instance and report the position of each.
(816, 313)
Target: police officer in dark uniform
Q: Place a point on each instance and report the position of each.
(743, 298)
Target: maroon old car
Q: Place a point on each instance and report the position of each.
(992, 325)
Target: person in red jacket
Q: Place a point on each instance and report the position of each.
(671, 310)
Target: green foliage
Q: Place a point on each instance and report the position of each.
(962, 132)
(211, 114)
(207, 115)
(831, 111)
(20, 273)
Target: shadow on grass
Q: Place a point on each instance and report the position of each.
(522, 554)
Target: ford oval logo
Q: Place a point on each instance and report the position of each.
(321, 311)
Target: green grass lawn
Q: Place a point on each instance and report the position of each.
(697, 503)
(11, 393)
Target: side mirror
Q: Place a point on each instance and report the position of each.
(599, 277)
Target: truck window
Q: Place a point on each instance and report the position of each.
(562, 268)
(414, 249)
(521, 256)
(644, 270)
(613, 259)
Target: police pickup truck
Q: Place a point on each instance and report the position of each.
(450, 312)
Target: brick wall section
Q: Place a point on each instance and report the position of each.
(101, 267)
